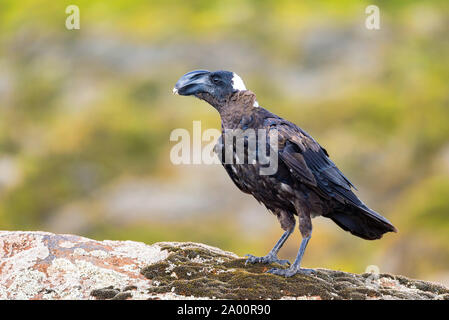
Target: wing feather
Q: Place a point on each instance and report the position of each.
(309, 163)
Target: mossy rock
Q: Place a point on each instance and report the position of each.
(197, 270)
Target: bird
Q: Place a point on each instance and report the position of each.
(305, 184)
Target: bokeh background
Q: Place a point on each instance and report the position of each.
(85, 119)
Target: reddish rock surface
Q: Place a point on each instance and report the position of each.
(40, 265)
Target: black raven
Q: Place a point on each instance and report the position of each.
(306, 183)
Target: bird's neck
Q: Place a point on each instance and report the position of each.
(239, 105)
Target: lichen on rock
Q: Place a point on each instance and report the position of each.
(41, 265)
(192, 270)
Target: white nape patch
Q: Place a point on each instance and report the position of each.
(237, 82)
(256, 104)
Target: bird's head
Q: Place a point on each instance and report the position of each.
(213, 87)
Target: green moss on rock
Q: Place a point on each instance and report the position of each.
(191, 270)
(199, 271)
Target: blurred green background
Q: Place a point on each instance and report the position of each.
(85, 119)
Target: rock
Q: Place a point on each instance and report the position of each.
(41, 265)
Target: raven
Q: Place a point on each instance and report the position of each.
(306, 183)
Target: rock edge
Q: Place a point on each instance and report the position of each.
(42, 265)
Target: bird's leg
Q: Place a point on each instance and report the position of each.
(296, 266)
(287, 221)
(305, 226)
(272, 255)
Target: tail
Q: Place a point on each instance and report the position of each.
(361, 222)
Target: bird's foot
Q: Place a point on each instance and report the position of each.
(269, 258)
(291, 271)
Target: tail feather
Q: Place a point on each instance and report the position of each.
(362, 222)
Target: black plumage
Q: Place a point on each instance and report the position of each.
(306, 183)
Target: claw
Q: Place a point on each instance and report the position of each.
(284, 262)
(291, 271)
(247, 260)
(269, 258)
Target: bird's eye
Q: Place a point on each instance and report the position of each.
(216, 80)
